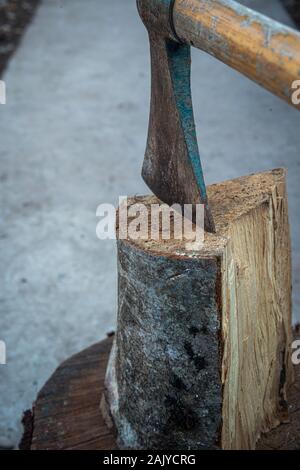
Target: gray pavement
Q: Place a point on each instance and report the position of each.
(73, 134)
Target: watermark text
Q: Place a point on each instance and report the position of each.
(296, 93)
(2, 92)
(296, 353)
(2, 353)
(139, 221)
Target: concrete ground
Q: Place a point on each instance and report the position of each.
(73, 134)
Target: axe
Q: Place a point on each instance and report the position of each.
(258, 47)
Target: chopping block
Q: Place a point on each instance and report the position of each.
(202, 353)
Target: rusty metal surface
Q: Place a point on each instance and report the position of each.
(172, 167)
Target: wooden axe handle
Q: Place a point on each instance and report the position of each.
(260, 48)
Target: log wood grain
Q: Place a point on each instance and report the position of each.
(67, 414)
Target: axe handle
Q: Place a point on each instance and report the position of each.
(260, 48)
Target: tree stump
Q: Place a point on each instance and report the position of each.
(66, 413)
(201, 358)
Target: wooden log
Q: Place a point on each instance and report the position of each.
(202, 351)
(66, 413)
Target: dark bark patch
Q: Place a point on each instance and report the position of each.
(198, 360)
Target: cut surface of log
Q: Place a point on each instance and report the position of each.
(66, 414)
(202, 352)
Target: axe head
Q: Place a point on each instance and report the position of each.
(172, 167)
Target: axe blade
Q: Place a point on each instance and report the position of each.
(172, 167)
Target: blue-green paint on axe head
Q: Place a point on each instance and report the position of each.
(172, 167)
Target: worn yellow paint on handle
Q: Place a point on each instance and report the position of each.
(262, 49)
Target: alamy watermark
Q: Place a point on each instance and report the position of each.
(296, 94)
(296, 353)
(2, 92)
(140, 221)
(2, 353)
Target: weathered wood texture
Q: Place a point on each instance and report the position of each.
(260, 48)
(256, 311)
(66, 412)
(202, 351)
